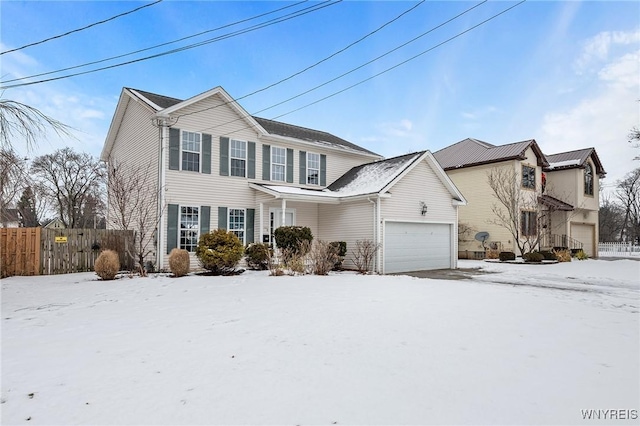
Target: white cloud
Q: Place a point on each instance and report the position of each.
(599, 47)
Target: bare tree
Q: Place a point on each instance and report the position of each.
(18, 120)
(13, 178)
(519, 212)
(69, 180)
(628, 194)
(610, 219)
(133, 205)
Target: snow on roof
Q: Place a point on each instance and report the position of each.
(566, 163)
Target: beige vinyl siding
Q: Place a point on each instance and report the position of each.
(421, 184)
(472, 182)
(136, 145)
(349, 222)
(563, 185)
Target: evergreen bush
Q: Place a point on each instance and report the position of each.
(179, 262)
(506, 255)
(581, 255)
(289, 238)
(219, 251)
(548, 255)
(257, 255)
(534, 257)
(107, 265)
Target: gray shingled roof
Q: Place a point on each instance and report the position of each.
(554, 203)
(377, 174)
(274, 127)
(472, 152)
(574, 159)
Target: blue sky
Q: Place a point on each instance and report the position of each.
(564, 73)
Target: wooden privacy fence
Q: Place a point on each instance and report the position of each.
(33, 251)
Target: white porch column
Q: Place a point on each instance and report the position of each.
(283, 221)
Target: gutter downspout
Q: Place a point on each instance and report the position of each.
(375, 232)
(162, 124)
(378, 238)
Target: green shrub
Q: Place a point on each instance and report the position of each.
(289, 238)
(107, 265)
(581, 255)
(340, 248)
(548, 255)
(257, 255)
(562, 255)
(533, 257)
(506, 255)
(219, 251)
(179, 262)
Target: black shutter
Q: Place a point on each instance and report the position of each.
(289, 165)
(303, 168)
(206, 153)
(323, 170)
(172, 227)
(205, 219)
(174, 149)
(222, 218)
(266, 162)
(251, 160)
(224, 156)
(249, 225)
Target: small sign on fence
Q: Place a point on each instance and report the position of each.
(61, 239)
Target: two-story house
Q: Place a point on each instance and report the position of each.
(220, 167)
(551, 192)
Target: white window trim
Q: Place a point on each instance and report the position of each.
(244, 228)
(271, 163)
(180, 206)
(309, 168)
(182, 131)
(246, 155)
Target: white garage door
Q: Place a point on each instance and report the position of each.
(586, 235)
(416, 246)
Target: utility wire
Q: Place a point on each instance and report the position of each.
(156, 46)
(81, 29)
(313, 65)
(348, 72)
(381, 72)
(265, 24)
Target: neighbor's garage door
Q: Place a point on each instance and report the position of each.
(586, 235)
(416, 246)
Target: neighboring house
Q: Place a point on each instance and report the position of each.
(55, 223)
(220, 167)
(10, 218)
(556, 183)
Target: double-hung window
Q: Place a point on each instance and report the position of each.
(238, 156)
(189, 228)
(313, 168)
(588, 180)
(190, 151)
(528, 177)
(528, 223)
(278, 163)
(237, 222)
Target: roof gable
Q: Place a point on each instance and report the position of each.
(574, 159)
(166, 106)
(472, 152)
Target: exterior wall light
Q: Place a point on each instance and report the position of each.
(423, 208)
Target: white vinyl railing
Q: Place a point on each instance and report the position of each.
(618, 250)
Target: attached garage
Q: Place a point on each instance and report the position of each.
(586, 234)
(414, 246)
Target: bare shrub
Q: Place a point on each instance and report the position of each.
(179, 262)
(323, 257)
(107, 265)
(563, 255)
(364, 255)
(492, 253)
(276, 268)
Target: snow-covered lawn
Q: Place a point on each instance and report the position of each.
(523, 345)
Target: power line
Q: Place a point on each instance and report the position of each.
(350, 71)
(81, 29)
(156, 46)
(315, 64)
(381, 72)
(274, 21)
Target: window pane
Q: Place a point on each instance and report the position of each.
(277, 172)
(236, 223)
(237, 167)
(528, 177)
(238, 149)
(313, 177)
(313, 161)
(190, 161)
(189, 228)
(191, 141)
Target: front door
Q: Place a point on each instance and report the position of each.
(275, 219)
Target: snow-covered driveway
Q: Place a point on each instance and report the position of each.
(524, 345)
